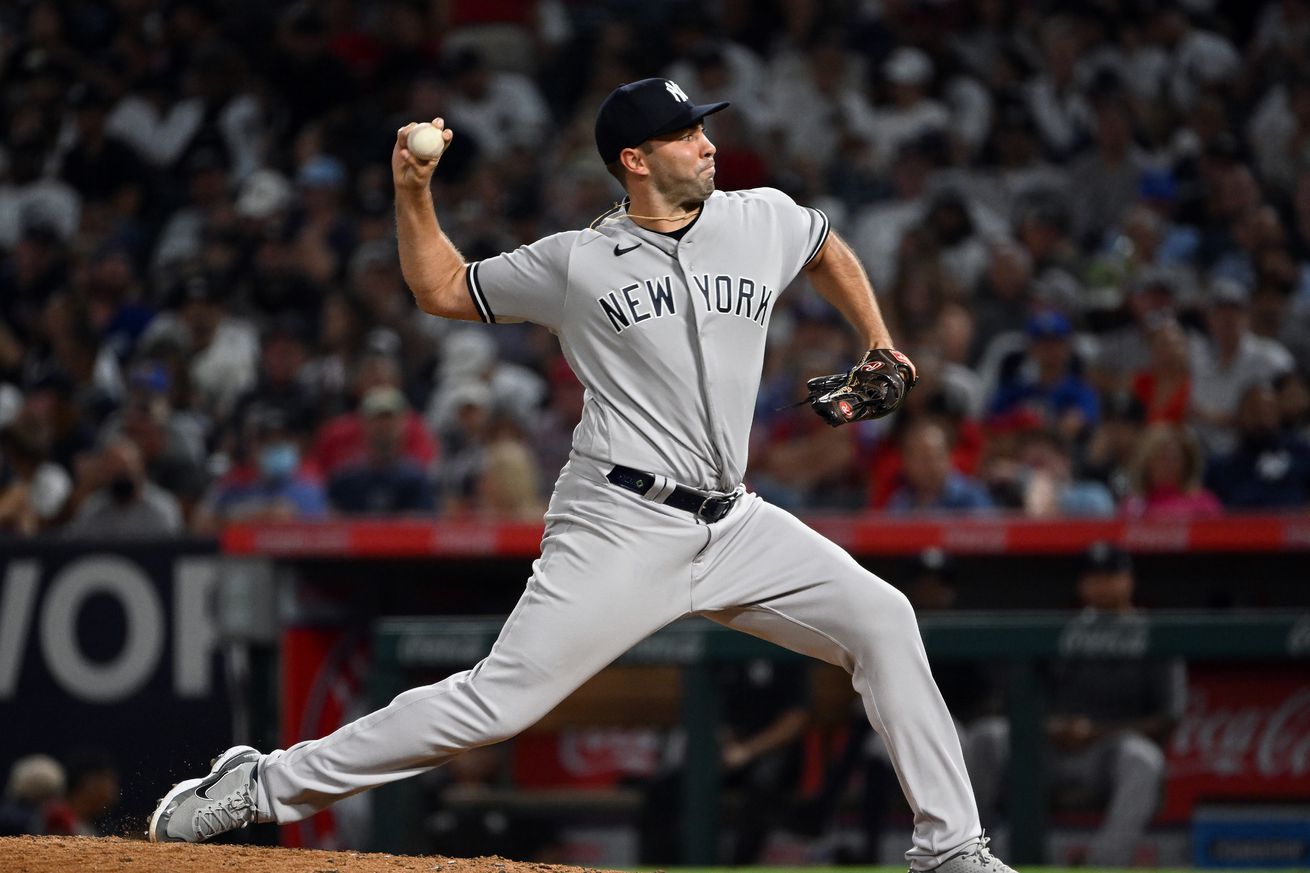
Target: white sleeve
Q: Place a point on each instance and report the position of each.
(801, 230)
(527, 284)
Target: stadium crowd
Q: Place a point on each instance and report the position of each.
(1087, 222)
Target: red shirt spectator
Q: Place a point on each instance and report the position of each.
(1165, 402)
(888, 463)
(340, 441)
(1164, 386)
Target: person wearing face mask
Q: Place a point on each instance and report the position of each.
(124, 502)
(1270, 468)
(270, 485)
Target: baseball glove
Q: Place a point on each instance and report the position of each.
(874, 387)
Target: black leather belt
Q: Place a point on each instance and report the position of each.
(709, 508)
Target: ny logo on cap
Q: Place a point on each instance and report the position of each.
(678, 93)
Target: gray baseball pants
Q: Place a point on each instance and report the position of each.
(614, 569)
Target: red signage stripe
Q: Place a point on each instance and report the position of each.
(862, 534)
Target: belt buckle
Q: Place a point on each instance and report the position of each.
(715, 508)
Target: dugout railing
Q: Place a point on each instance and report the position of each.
(406, 647)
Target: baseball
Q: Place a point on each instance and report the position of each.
(425, 142)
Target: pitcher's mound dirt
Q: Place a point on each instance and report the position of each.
(115, 855)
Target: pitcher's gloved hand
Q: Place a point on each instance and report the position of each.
(874, 387)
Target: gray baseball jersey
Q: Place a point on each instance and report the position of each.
(667, 335)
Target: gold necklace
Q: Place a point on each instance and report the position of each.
(608, 215)
(691, 214)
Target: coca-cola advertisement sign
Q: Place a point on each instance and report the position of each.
(1245, 735)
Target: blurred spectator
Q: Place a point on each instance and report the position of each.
(76, 347)
(1046, 378)
(1017, 168)
(1164, 386)
(949, 236)
(1043, 485)
(375, 277)
(34, 492)
(1124, 352)
(764, 714)
(207, 208)
(223, 349)
(1109, 721)
(172, 442)
(1058, 105)
(815, 92)
(1113, 445)
(509, 482)
(1270, 468)
(502, 111)
(340, 341)
(1043, 225)
(1166, 477)
(1003, 300)
(282, 278)
(886, 468)
(65, 426)
(36, 269)
(34, 781)
(99, 165)
(470, 355)
(321, 238)
(386, 481)
(912, 113)
(270, 485)
(342, 440)
(166, 118)
(930, 483)
(1199, 60)
(312, 84)
(1233, 359)
(281, 384)
(1105, 180)
(91, 794)
(121, 501)
(28, 196)
(1294, 402)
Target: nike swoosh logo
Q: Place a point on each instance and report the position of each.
(618, 252)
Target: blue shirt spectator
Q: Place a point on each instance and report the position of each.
(1270, 468)
(385, 481)
(274, 487)
(930, 484)
(1046, 379)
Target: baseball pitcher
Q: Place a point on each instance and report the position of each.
(662, 308)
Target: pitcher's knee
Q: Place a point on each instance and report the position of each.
(884, 609)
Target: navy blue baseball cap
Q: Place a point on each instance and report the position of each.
(638, 111)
